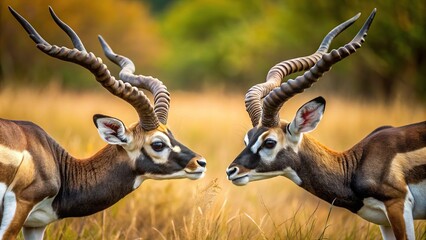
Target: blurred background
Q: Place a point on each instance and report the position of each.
(226, 45)
(209, 53)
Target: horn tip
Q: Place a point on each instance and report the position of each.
(51, 10)
(13, 11)
(357, 15)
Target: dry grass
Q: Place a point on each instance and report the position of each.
(214, 125)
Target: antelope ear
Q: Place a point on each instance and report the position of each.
(111, 130)
(308, 116)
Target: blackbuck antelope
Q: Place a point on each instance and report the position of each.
(382, 178)
(41, 183)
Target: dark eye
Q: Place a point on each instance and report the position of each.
(158, 146)
(269, 143)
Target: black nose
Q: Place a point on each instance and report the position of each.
(202, 162)
(231, 171)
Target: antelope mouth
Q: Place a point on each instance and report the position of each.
(240, 180)
(195, 175)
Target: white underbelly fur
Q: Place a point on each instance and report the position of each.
(375, 211)
(42, 214)
(419, 193)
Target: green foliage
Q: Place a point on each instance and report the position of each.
(235, 43)
(220, 42)
(192, 44)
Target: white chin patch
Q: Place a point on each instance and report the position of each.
(262, 176)
(176, 175)
(138, 181)
(195, 176)
(292, 175)
(288, 172)
(241, 181)
(180, 174)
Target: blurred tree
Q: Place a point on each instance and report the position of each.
(158, 6)
(234, 43)
(126, 25)
(220, 42)
(393, 59)
(202, 43)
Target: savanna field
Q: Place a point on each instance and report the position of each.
(213, 124)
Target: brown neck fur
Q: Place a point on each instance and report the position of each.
(326, 173)
(93, 184)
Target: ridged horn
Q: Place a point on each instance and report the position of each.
(278, 96)
(153, 85)
(135, 97)
(254, 96)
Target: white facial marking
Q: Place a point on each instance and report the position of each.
(179, 174)
(9, 209)
(293, 140)
(258, 142)
(292, 175)
(246, 140)
(195, 175)
(255, 176)
(133, 154)
(374, 211)
(241, 181)
(159, 157)
(159, 136)
(138, 181)
(41, 214)
(176, 149)
(198, 173)
(269, 155)
(418, 191)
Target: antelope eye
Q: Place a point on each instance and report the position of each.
(269, 143)
(158, 146)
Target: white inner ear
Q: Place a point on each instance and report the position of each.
(112, 131)
(307, 118)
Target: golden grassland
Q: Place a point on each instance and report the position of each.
(213, 124)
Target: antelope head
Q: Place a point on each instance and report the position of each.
(149, 143)
(272, 145)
